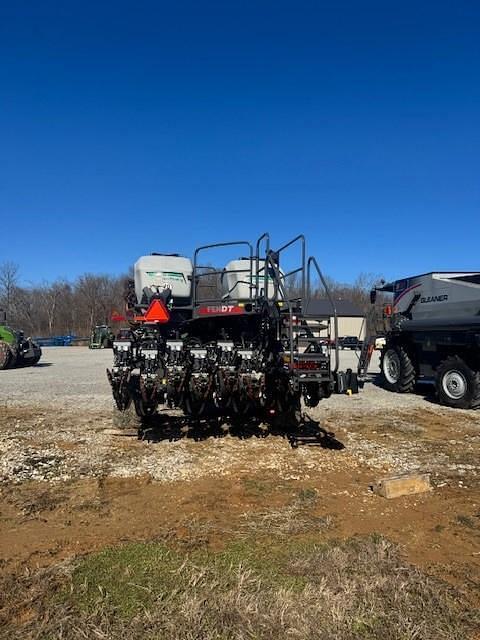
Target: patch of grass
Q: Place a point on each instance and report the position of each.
(258, 488)
(267, 562)
(254, 486)
(359, 589)
(293, 518)
(308, 496)
(466, 521)
(46, 500)
(193, 532)
(126, 579)
(406, 428)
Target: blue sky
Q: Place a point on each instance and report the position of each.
(132, 127)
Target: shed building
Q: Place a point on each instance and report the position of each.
(351, 320)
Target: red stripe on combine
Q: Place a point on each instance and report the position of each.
(414, 286)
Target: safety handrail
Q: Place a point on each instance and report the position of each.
(300, 238)
(212, 271)
(266, 237)
(216, 246)
(306, 302)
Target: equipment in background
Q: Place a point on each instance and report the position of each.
(350, 342)
(231, 341)
(58, 341)
(102, 337)
(16, 350)
(432, 330)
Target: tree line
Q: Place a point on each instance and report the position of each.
(60, 307)
(73, 307)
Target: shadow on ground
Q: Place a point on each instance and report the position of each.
(160, 427)
(424, 388)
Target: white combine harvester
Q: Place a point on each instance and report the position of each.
(434, 332)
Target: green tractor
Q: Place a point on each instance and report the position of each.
(16, 350)
(101, 337)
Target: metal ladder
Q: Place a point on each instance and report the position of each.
(300, 321)
(315, 344)
(368, 346)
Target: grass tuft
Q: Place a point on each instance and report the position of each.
(359, 589)
(466, 521)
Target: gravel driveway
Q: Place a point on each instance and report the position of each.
(73, 440)
(67, 377)
(74, 378)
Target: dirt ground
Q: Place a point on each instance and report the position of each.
(69, 487)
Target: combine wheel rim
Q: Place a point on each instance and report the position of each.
(457, 384)
(454, 384)
(391, 366)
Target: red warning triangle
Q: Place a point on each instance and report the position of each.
(157, 312)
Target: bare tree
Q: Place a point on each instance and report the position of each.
(95, 298)
(25, 314)
(50, 296)
(88, 291)
(9, 272)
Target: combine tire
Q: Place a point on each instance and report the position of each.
(457, 385)
(398, 372)
(6, 356)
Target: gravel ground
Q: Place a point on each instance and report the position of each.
(67, 377)
(74, 377)
(380, 430)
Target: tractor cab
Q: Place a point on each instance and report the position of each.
(101, 337)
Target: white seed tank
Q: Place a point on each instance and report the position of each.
(157, 272)
(240, 274)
